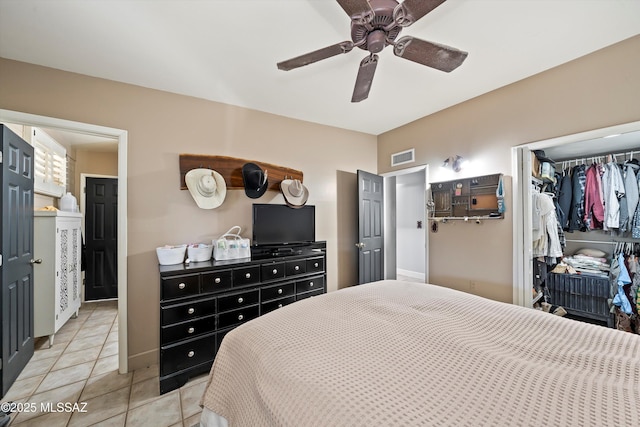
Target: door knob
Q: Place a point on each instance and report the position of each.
(36, 261)
(360, 245)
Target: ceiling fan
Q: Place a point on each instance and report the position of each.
(376, 24)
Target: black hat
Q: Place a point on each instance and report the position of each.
(255, 180)
(542, 157)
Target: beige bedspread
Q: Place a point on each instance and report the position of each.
(410, 354)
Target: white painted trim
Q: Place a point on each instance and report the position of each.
(521, 253)
(121, 135)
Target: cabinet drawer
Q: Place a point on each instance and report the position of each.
(279, 291)
(309, 294)
(276, 304)
(186, 311)
(216, 281)
(180, 286)
(310, 284)
(315, 265)
(239, 300)
(237, 317)
(272, 271)
(188, 329)
(246, 276)
(298, 266)
(186, 354)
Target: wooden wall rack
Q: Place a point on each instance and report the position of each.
(231, 170)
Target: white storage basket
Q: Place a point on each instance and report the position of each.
(169, 255)
(200, 252)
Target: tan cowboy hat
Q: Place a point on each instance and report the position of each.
(295, 194)
(207, 187)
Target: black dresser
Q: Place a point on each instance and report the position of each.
(200, 302)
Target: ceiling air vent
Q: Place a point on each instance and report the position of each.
(403, 157)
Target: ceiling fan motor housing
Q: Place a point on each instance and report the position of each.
(374, 33)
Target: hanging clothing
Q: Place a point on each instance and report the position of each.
(576, 212)
(593, 204)
(631, 189)
(613, 191)
(564, 198)
(546, 241)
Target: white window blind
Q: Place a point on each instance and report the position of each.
(50, 165)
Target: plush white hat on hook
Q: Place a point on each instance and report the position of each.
(207, 187)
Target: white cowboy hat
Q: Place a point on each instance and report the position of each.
(295, 194)
(207, 187)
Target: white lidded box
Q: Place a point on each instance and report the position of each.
(169, 255)
(199, 252)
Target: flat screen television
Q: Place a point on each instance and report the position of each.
(281, 225)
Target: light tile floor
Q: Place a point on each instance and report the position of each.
(82, 367)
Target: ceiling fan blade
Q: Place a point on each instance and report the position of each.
(365, 78)
(434, 55)
(358, 10)
(409, 11)
(315, 56)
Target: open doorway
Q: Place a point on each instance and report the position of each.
(120, 136)
(406, 242)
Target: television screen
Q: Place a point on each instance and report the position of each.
(280, 224)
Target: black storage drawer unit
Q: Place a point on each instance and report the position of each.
(582, 295)
(201, 302)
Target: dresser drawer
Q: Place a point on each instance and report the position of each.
(309, 294)
(278, 291)
(296, 267)
(186, 354)
(216, 281)
(180, 286)
(237, 317)
(188, 329)
(272, 271)
(239, 300)
(310, 284)
(246, 276)
(315, 265)
(175, 313)
(275, 304)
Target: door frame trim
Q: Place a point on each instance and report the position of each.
(121, 136)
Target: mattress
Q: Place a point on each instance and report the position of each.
(408, 354)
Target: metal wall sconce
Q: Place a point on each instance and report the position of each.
(454, 163)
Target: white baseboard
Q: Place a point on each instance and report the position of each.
(413, 274)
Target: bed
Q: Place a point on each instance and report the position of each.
(408, 354)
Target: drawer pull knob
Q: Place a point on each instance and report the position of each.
(240, 317)
(240, 300)
(191, 310)
(248, 275)
(275, 271)
(296, 268)
(191, 353)
(217, 280)
(279, 291)
(316, 265)
(279, 305)
(311, 284)
(182, 286)
(191, 330)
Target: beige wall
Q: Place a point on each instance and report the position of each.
(94, 162)
(598, 90)
(160, 126)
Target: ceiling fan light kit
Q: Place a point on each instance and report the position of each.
(376, 24)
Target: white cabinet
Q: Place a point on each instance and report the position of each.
(58, 278)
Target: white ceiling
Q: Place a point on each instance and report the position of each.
(227, 50)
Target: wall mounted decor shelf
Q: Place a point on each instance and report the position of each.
(231, 170)
(467, 198)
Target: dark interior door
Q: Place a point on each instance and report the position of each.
(370, 227)
(17, 253)
(101, 230)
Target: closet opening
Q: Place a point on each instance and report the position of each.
(583, 289)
